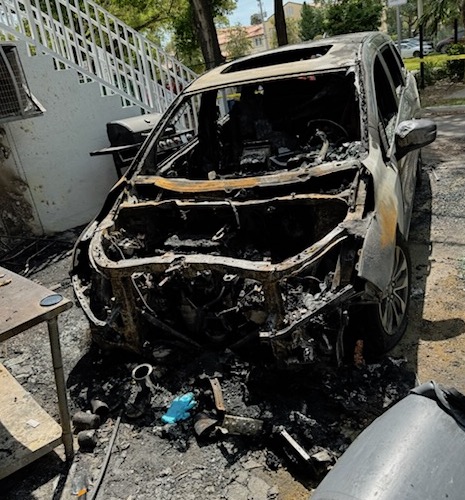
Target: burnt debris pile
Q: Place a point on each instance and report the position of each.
(304, 419)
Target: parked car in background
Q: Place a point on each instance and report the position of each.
(411, 48)
(444, 44)
(270, 204)
(427, 44)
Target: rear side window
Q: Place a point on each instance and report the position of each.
(386, 100)
(394, 65)
(385, 97)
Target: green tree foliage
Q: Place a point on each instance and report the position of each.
(185, 43)
(455, 69)
(443, 11)
(255, 19)
(144, 15)
(409, 17)
(350, 16)
(185, 38)
(238, 44)
(293, 30)
(175, 17)
(311, 22)
(293, 33)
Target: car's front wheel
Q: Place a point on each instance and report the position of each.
(389, 317)
(443, 49)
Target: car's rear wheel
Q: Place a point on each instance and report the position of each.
(416, 53)
(389, 317)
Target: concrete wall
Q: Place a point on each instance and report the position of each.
(49, 174)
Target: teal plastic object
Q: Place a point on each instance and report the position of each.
(179, 409)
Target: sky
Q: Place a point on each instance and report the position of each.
(245, 8)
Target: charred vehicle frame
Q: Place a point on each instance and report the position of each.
(272, 201)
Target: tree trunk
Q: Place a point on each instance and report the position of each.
(462, 11)
(206, 33)
(280, 23)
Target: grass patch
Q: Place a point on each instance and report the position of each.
(453, 102)
(413, 63)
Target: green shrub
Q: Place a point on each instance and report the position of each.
(456, 69)
(433, 71)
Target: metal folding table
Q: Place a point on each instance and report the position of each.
(27, 432)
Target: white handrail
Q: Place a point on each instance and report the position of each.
(82, 35)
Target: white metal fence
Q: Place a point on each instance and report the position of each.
(82, 35)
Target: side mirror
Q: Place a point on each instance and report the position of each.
(414, 134)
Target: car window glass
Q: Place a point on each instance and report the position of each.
(386, 101)
(394, 65)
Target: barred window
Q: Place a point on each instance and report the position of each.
(16, 100)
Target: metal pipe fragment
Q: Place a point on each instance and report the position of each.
(99, 408)
(87, 440)
(204, 423)
(143, 375)
(241, 426)
(217, 394)
(104, 467)
(83, 421)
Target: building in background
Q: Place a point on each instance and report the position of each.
(263, 36)
(292, 13)
(250, 39)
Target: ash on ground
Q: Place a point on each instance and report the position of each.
(246, 451)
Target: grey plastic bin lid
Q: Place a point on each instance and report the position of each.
(414, 451)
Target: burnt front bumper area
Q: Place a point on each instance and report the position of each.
(219, 273)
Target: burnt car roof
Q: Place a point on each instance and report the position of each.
(319, 55)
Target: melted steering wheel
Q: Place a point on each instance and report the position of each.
(334, 132)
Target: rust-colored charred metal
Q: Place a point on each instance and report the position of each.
(193, 186)
(359, 360)
(330, 300)
(270, 202)
(217, 394)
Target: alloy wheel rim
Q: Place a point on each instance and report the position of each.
(393, 306)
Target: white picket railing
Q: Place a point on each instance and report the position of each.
(82, 35)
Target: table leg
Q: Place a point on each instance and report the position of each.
(60, 385)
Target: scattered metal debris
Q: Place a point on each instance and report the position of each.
(87, 440)
(143, 374)
(241, 426)
(217, 395)
(83, 420)
(104, 467)
(99, 408)
(204, 424)
(321, 409)
(297, 451)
